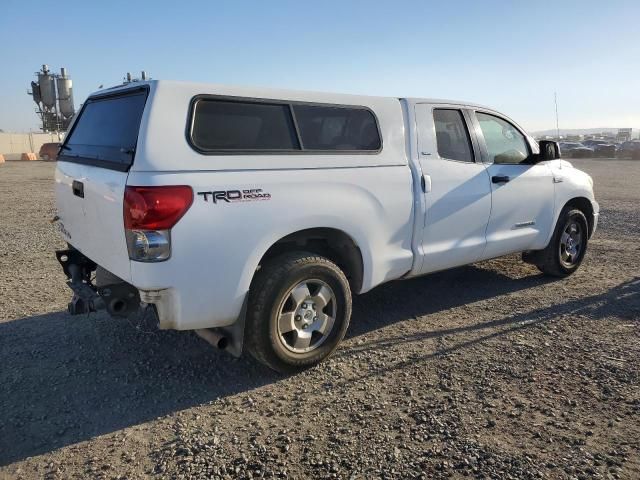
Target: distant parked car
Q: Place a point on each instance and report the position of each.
(575, 150)
(629, 150)
(607, 150)
(49, 151)
(601, 148)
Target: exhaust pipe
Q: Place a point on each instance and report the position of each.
(117, 307)
(213, 337)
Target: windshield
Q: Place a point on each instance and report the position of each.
(106, 132)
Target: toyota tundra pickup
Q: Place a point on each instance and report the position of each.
(252, 216)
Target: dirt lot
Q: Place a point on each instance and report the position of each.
(485, 371)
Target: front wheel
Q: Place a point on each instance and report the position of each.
(567, 247)
(299, 311)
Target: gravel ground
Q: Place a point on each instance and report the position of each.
(488, 371)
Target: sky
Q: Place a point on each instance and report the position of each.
(511, 55)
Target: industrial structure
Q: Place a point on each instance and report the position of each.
(53, 94)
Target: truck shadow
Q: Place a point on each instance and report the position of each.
(403, 300)
(622, 301)
(67, 379)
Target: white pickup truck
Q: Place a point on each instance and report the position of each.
(253, 215)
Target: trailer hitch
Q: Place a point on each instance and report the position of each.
(116, 296)
(78, 270)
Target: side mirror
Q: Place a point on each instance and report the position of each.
(549, 150)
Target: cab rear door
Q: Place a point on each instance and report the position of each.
(456, 188)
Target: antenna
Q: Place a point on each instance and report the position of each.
(555, 99)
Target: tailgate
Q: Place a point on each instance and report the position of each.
(90, 204)
(91, 177)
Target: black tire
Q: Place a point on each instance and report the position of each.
(270, 291)
(551, 261)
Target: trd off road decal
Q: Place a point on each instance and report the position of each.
(233, 196)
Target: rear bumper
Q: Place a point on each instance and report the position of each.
(121, 299)
(168, 303)
(183, 309)
(596, 216)
(180, 307)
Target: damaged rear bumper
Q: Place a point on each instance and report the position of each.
(94, 289)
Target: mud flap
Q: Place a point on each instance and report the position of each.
(235, 332)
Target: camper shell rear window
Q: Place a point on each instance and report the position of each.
(232, 125)
(106, 131)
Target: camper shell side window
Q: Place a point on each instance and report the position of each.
(232, 126)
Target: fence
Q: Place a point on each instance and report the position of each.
(12, 145)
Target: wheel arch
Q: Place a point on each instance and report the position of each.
(332, 243)
(585, 206)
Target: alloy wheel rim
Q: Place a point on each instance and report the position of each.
(306, 316)
(571, 243)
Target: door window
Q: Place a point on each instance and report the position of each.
(505, 144)
(452, 136)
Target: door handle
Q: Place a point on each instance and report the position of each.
(500, 179)
(426, 183)
(78, 188)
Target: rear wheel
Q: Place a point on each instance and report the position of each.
(299, 311)
(567, 247)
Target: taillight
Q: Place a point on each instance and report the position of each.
(155, 208)
(149, 215)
